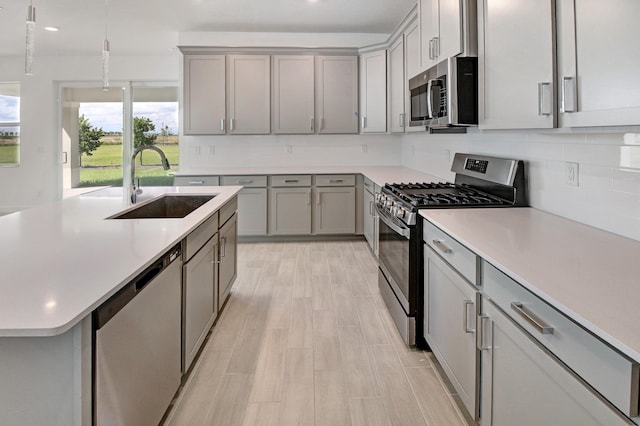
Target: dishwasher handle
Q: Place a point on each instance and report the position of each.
(115, 303)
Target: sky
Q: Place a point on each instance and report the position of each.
(9, 109)
(108, 115)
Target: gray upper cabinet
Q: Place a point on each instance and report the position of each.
(447, 28)
(373, 92)
(598, 82)
(248, 91)
(337, 94)
(293, 97)
(516, 64)
(204, 94)
(397, 82)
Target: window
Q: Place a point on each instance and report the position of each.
(9, 124)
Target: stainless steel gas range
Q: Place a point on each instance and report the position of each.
(480, 181)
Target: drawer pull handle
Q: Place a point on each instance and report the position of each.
(532, 318)
(465, 316)
(196, 182)
(336, 180)
(442, 247)
(245, 182)
(291, 181)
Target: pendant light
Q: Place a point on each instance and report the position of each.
(30, 39)
(105, 50)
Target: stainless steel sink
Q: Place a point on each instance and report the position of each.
(164, 207)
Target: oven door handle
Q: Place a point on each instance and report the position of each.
(387, 219)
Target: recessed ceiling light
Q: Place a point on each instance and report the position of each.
(52, 29)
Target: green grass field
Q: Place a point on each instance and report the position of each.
(9, 154)
(104, 167)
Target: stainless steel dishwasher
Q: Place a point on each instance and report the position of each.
(137, 347)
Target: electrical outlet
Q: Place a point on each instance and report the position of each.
(365, 148)
(289, 149)
(571, 174)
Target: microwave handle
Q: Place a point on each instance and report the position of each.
(429, 99)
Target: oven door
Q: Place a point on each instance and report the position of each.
(394, 246)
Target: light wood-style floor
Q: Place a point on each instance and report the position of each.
(306, 340)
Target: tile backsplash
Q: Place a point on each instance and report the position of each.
(608, 191)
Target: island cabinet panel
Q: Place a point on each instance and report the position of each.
(204, 94)
(248, 90)
(228, 253)
(337, 94)
(293, 94)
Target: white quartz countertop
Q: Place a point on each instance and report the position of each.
(378, 174)
(590, 275)
(62, 260)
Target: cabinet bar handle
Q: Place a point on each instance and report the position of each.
(401, 120)
(483, 319)
(544, 98)
(370, 208)
(222, 124)
(291, 181)
(196, 182)
(322, 123)
(442, 247)
(336, 180)
(532, 318)
(431, 49)
(214, 254)
(568, 94)
(465, 316)
(223, 252)
(248, 181)
(231, 123)
(318, 199)
(364, 122)
(312, 124)
(436, 47)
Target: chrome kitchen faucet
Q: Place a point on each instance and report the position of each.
(135, 190)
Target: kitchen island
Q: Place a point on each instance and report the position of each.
(60, 262)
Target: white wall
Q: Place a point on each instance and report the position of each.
(38, 177)
(608, 195)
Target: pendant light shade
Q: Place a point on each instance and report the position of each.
(30, 39)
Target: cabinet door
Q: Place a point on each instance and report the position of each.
(373, 92)
(369, 219)
(290, 211)
(429, 31)
(249, 94)
(335, 210)
(449, 326)
(204, 94)
(228, 258)
(524, 384)
(397, 82)
(293, 99)
(516, 64)
(598, 80)
(200, 298)
(449, 28)
(252, 211)
(337, 94)
(412, 51)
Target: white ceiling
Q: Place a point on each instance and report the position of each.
(152, 26)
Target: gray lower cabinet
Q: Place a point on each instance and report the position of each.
(228, 268)
(200, 287)
(334, 210)
(252, 203)
(524, 384)
(290, 211)
(370, 218)
(450, 303)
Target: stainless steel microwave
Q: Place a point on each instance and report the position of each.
(446, 95)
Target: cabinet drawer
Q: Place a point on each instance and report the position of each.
(199, 236)
(606, 370)
(335, 180)
(196, 181)
(461, 258)
(369, 185)
(291, 180)
(246, 181)
(228, 210)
